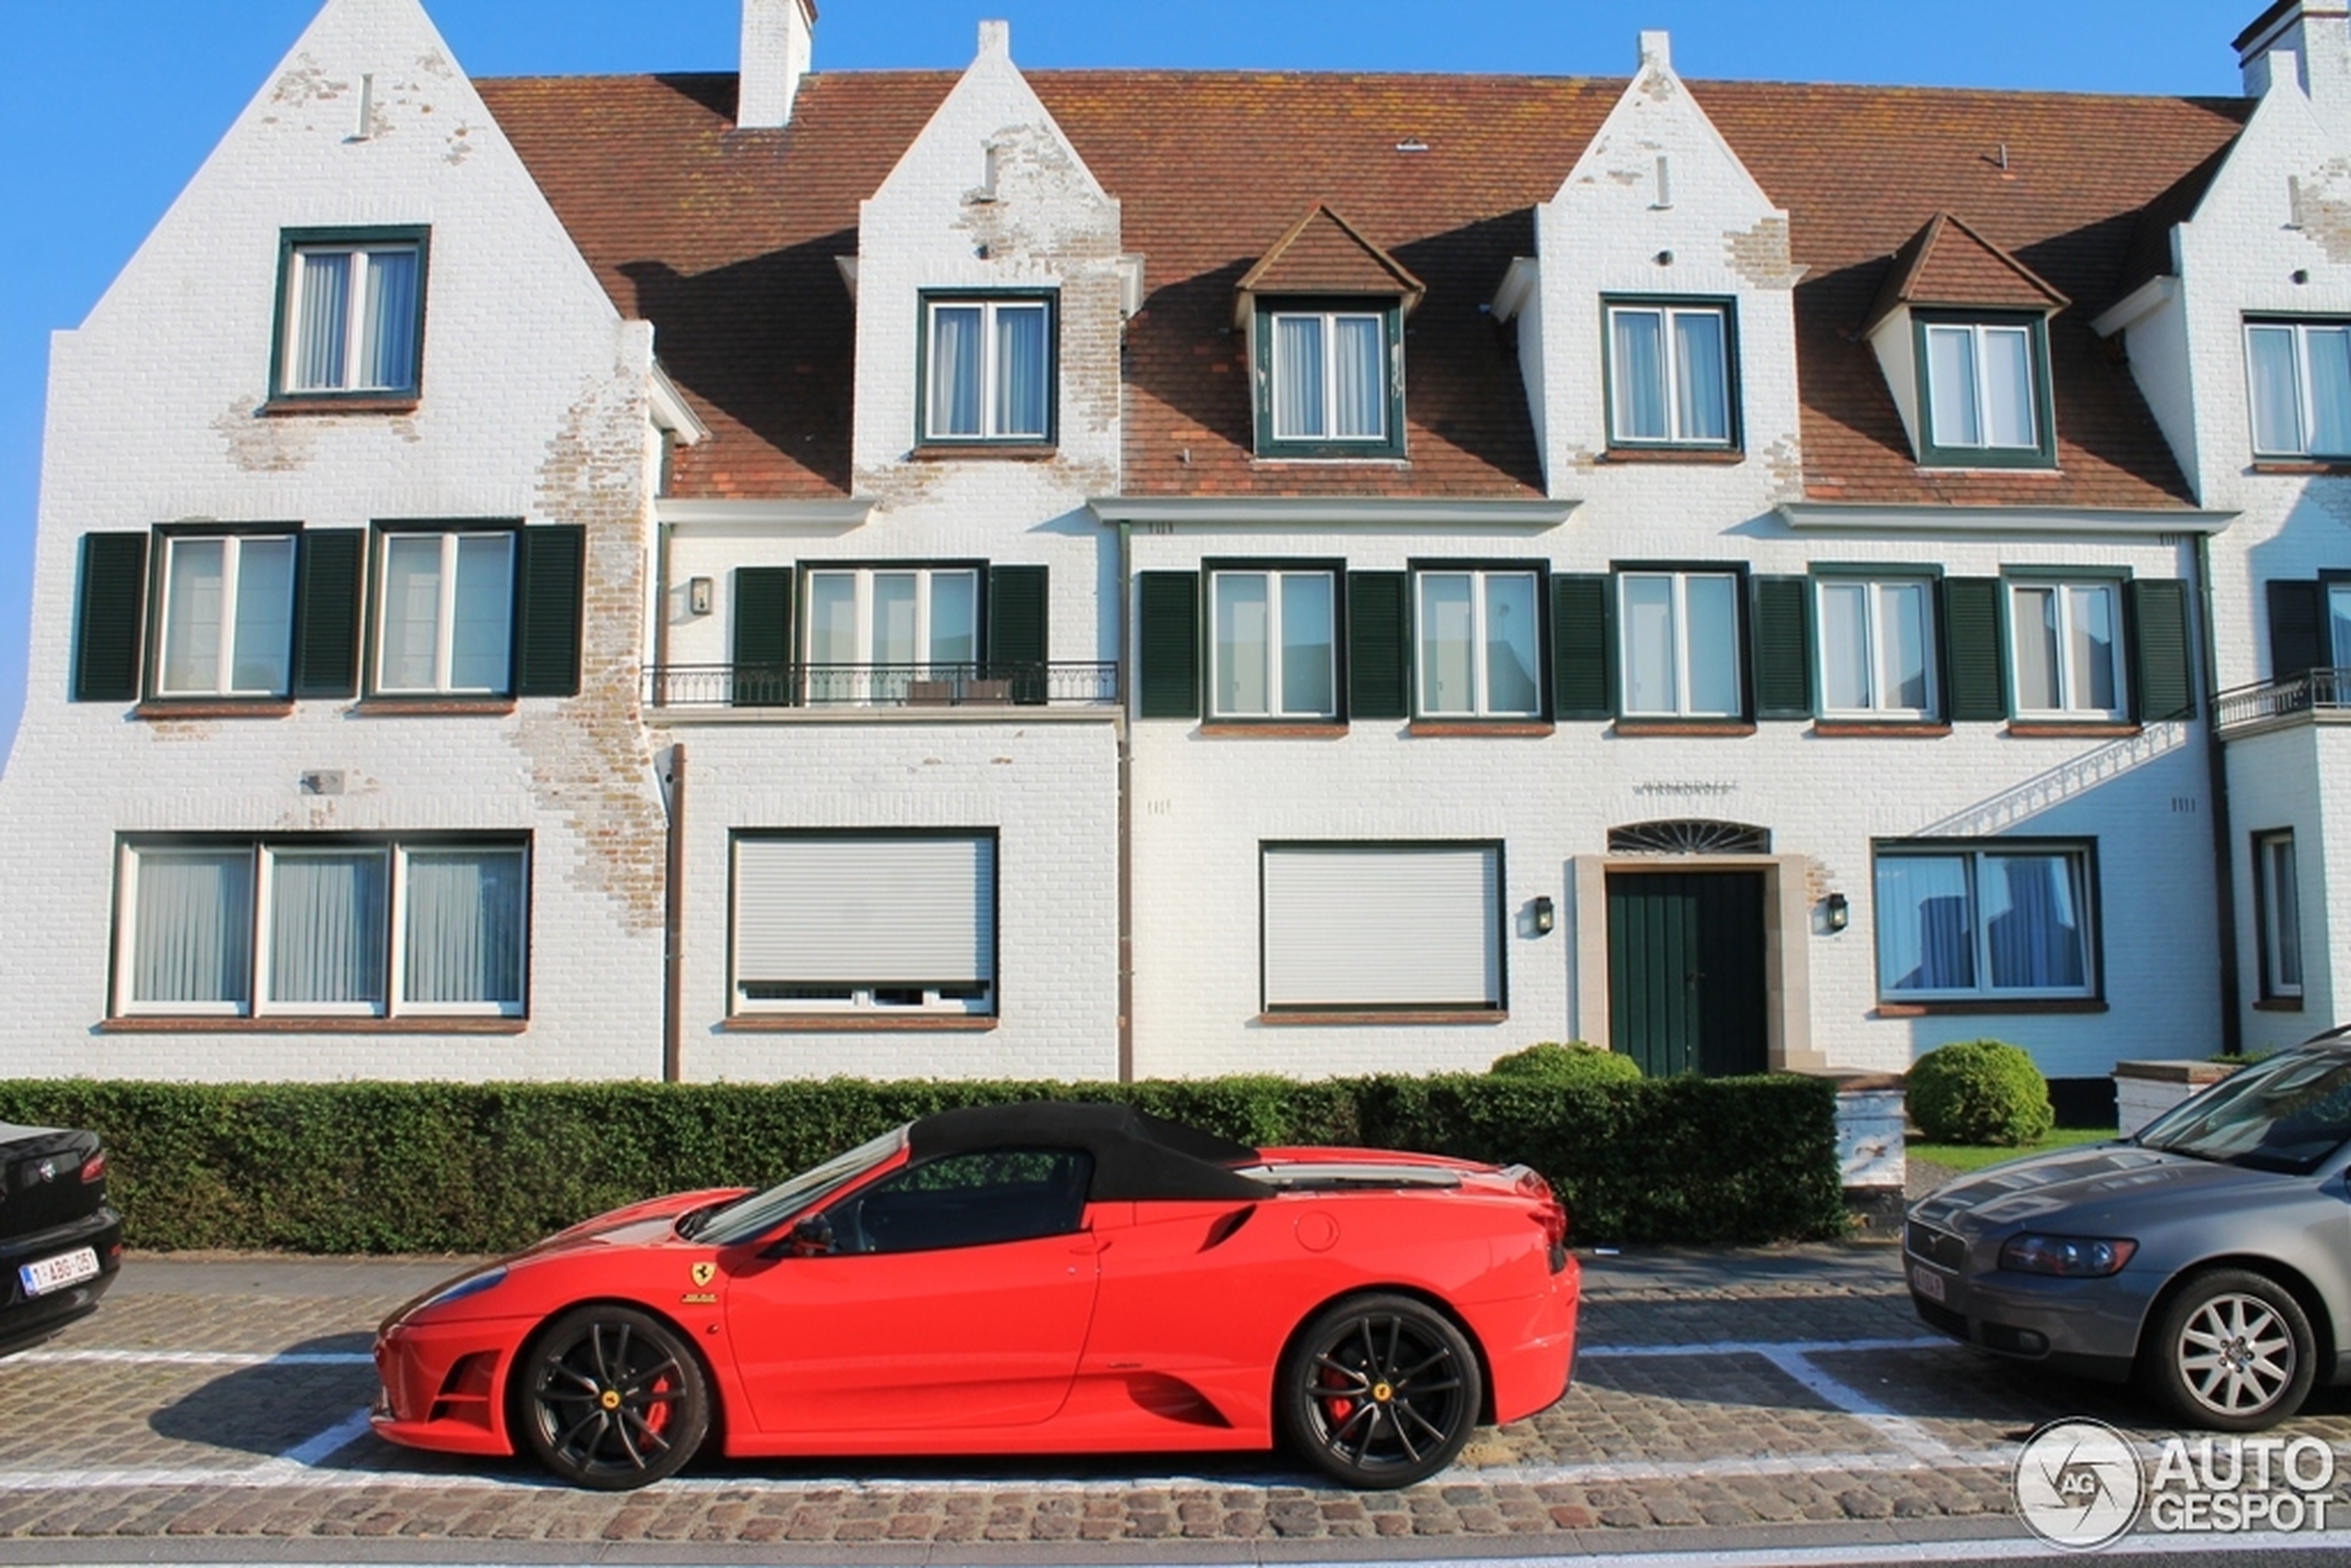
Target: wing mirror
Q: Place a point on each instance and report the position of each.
(811, 1237)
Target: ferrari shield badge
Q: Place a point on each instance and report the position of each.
(704, 1273)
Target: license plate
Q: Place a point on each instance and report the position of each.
(56, 1274)
(1927, 1283)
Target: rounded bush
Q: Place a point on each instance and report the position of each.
(1577, 1061)
(1979, 1092)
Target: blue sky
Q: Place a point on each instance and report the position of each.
(115, 104)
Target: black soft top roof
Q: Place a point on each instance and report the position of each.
(1136, 1155)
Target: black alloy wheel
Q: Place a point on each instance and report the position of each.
(1379, 1391)
(612, 1399)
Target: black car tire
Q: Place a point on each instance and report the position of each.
(2233, 1351)
(1378, 1391)
(611, 1398)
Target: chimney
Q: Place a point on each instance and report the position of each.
(1657, 50)
(2305, 44)
(777, 38)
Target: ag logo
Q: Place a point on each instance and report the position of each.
(2078, 1484)
(704, 1273)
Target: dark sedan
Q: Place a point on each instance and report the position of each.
(60, 1242)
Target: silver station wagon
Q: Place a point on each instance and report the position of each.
(2207, 1257)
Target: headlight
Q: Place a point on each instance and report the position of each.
(2069, 1257)
(472, 1284)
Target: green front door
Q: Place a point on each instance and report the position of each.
(1685, 971)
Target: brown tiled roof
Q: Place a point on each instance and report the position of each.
(1324, 253)
(727, 241)
(1948, 263)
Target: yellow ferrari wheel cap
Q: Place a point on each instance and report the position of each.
(1382, 1392)
(609, 1399)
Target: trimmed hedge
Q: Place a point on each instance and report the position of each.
(1576, 1061)
(447, 1167)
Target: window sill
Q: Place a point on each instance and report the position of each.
(853, 1024)
(2277, 1004)
(433, 707)
(1989, 1005)
(2061, 730)
(1372, 1016)
(1229, 729)
(290, 407)
(163, 709)
(1713, 726)
(1889, 729)
(1326, 459)
(2301, 465)
(1500, 727)
(409, 1024)
(1723, 455)
(1001, 452)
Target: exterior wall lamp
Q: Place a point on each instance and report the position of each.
(1545, 916)
(698, 595)
(1839, 912)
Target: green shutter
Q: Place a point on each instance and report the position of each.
(1977, 670)
(2298, 629)
(1581, 687)
(547, 608)
(1167, 644)
(1379, 680)
(2160, 661)
(1782, 627)
(325, 650)
(110, 616)
(1016, 630)
(763, 637)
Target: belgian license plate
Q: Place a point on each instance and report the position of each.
(1927, 1283)
(56, 1274)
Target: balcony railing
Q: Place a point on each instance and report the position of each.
(2314, 690)
(882, 686)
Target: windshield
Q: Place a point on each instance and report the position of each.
(2287, 1115)
(760, 1212)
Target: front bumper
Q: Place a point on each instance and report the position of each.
(2087, 1327)
(26, 1320)
(443, 1385)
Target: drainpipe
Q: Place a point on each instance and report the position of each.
(672, 933)
(2223, 837)
(1125, 822)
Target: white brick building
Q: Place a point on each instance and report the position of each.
(922, 574)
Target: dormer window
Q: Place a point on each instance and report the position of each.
(988, 369)
(1324, 313)
(2300, 373)
(1982, 383)
(1670, 374)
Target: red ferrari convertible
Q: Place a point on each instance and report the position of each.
(1040, 1278)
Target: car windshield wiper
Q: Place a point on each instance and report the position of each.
(691, 1223)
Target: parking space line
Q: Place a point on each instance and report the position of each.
(191, 1357)
(1769, 1346)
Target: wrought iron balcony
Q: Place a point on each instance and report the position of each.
(2313, 691)
(882, 686)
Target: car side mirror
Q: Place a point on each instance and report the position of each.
(811, 1237)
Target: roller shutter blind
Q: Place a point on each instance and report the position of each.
(1379, 925)
(912, 910)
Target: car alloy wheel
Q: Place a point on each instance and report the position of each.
(2234, 1353)
(1379, 1391)
(614, 1398)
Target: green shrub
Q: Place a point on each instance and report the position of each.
(1981, 1091)
(444, 1167)
(1576, 1061)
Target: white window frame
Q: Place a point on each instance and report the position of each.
(1675, 435)
(1682, 702)
(362, 254)
(263, 855)
(445, 615)
(1275, 361)
(1273, 577)
(863, 995)
(2069, 706)
(2082, 889)
(1978, 332)
(2277, 886)
(1381, 950)
(887, 686)
(2305, 396)
(1878, 675)
(1481, 703)
(989, 308)
(225, 658)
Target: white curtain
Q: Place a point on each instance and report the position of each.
(1701, 376)
(1902, 633)
(463, 937)
(2007, 387)
(412, 612)
(193, 938)
(264, 648)
(1448, 679)
(1244, 648)
(1845, 648)
(957, 356)
(2277, 391)
(955, 618)
(1925, 929)
(388, 329)
(2031, 923)
(326, 927)
(1309, 651)
(194, 594)
(1713, 644)
(1021, 382)
(1951, 381)
(1297, 377)
(2036, 641)
(2329, 350)
(483, 614)
(1652, 676)
(1358, 343)
(2091, 649)
(322, 320)
(1640, 352)
(2285, 900)
(1512, 648)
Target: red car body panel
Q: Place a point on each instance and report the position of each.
(1156, 1326)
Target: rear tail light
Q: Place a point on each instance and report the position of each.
(1549, 1213)
(95, 1168)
